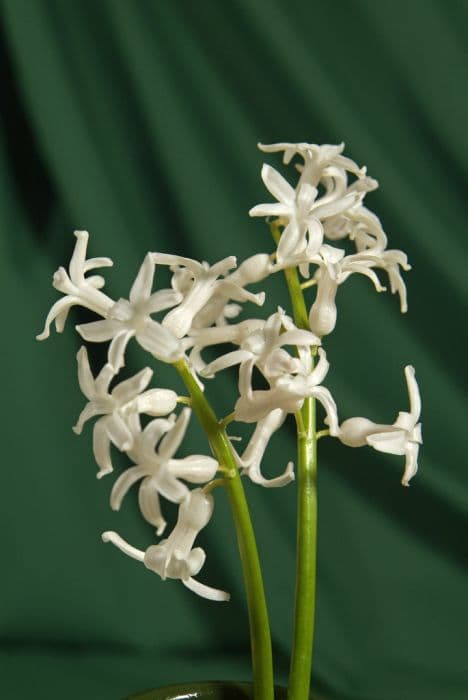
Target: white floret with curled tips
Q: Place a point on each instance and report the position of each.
(113, 407)
(288, 393)
(175, 557)
(79, 290)
(403, 437)
(201, 285)
(152, 453)
(128, 318)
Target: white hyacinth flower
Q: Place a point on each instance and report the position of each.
(175, 556)
(79, 289)
(112, 406)
(360, 225)
(204, 287)
(403, 437)
(263, 348)
(334, 269)
(132, 318)
(287, 392)
(218, 309)
(154, 463)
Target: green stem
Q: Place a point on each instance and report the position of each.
(306, 537)
(262, 664)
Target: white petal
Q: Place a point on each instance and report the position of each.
(130, 388)
(392, 442)
(150, 505)
(162, 299)
(101, 449)
(274, 209)
(411, 463)
(228, 360)
(278, 186)
(99, 331)
(326, 399)
(171, 441)
(118, 431)
(59, 313)
(85, 377)
(124, 547)
(205, 591)
(141, 288)
(117, 347)
(125, 481)
(77, 262)
(413, 392)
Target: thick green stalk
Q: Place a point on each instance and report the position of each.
(262, 664)
(306, 536)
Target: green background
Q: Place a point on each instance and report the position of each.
(139, 121)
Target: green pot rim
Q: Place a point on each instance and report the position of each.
(204, 690)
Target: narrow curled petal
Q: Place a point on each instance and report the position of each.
(85, 377)
(58, 313)
(253, 455)
(117, 347)
(326, 399)
(413, 392)
(110, 536)
(101, 449)
(411, 463)
(150, 506)
(171, 441)
(123, 485)
(205, 591)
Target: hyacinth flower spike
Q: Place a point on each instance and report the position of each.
(128, 318)
(112, 426)
(174, 557)
(403, 437)
(79, 289)
(159, 471)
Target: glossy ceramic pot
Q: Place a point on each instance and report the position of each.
(207, 690)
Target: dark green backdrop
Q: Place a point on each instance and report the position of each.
(138, 121)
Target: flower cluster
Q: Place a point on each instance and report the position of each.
(200, 310)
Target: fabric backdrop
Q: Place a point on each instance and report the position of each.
(138, 121)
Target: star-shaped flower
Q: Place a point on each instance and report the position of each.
(79, 289)
(113, 405)
(205, 286)
(128, 318)
(175, 557)
(156, 466)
